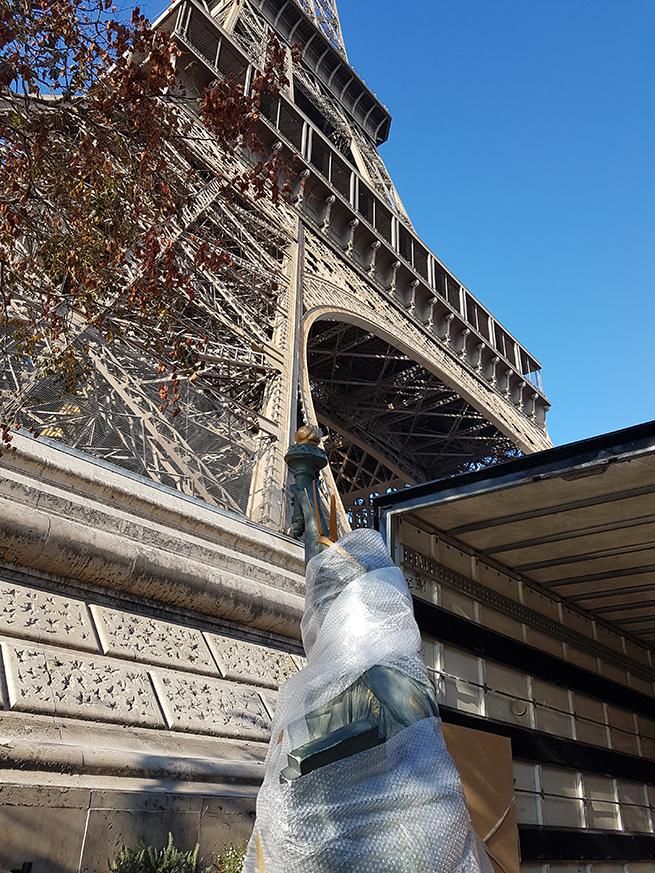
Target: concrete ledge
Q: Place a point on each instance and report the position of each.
(69, 518)
(31, 539)
(60, 758)
(44, 462)
(38, 745)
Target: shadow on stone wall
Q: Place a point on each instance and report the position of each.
(42, 827)
(79, 830)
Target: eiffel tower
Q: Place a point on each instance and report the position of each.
(365, 331)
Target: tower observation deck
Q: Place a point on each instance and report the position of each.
(350, 320)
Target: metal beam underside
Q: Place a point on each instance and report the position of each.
(326, 16)
(391, 423)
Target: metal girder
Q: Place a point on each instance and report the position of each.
(392, 411)
(392, 421)
(223, 423)
(393, 470)
(326, 16)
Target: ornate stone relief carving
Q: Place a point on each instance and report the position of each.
(46, 679)
(60, 683)
(37, 615)
(269, 698)
(151, 641)
(211, 706)
(247, 662)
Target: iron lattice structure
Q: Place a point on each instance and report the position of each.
(334, 310)
(326, 16)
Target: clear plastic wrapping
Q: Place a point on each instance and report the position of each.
(397, 806)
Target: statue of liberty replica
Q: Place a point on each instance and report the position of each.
(358, 777)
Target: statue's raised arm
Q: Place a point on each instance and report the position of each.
(306, 459)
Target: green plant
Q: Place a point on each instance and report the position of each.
(231, 859)
(146, 859)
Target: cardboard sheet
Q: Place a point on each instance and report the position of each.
(484, 762)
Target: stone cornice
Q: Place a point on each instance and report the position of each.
(49, 745)
(67, 516)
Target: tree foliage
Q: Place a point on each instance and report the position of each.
(94, 181)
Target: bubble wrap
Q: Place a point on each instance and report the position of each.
(398, 807)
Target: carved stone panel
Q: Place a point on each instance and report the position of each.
(270, 701)
(211, 706)
(151, 641)
(247, 662)
(59, 683)
(37, 615)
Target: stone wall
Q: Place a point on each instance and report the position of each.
(143, 636)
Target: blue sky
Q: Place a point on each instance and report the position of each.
(523, 145)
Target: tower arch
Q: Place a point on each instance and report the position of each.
(391, 414)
